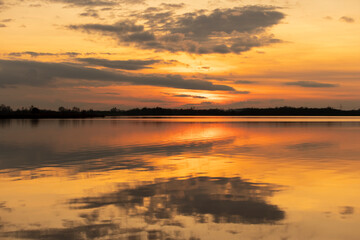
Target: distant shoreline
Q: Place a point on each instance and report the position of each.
(35, 113)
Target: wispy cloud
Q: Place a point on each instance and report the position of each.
(188, 96)
(39, 54)
(244, 82)
(120, 64)
(7, 20)
(96, 3)
(90, 13)
(311, 84)
(347, 19)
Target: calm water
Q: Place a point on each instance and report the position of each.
(180, 178)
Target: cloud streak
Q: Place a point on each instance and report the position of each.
(96, 3)
(40, 54)
(188, 96)
(7, 20)
(118, 64)
(35, 73)
(311, 84)
(244, 82)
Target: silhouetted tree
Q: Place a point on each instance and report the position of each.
(34, 109)
(62, 109)
(75, 109)
(4, 108)
(113, 110)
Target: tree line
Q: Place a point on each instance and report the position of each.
(75, 112)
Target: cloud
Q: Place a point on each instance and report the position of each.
(35, 5)
(96, 3)
(244, 82)
(120, 28)
(1, 5)
(92, 3)
(204, 104)
(7, 20)
(90, 13)
(241, 92)
(39, 54)
(120, 96)
(188, 96)
(35, 73)
(2, 25)
(246, 19)
(311, 84)
(347, 19)
(125, 64)
(172, 5)
(70, 54)
(231, 30)
(315, 75)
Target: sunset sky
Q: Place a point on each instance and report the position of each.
(204, 54)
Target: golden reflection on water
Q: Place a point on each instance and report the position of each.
(180, 178)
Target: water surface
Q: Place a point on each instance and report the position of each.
(180, 178)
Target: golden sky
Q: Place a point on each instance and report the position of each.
(203, 54)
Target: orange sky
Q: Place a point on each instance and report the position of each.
(204, 54)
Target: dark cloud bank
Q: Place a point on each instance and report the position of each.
(34, 73)
(231, 30)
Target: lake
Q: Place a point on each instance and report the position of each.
(180, 178)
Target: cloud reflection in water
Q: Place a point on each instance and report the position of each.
(231, 200)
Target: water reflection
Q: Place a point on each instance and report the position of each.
(33, 156)
(230, 200)
(95, 231)
(180, 178)
(204, 199)
(4, 208)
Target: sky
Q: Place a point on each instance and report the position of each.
(180, 54)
